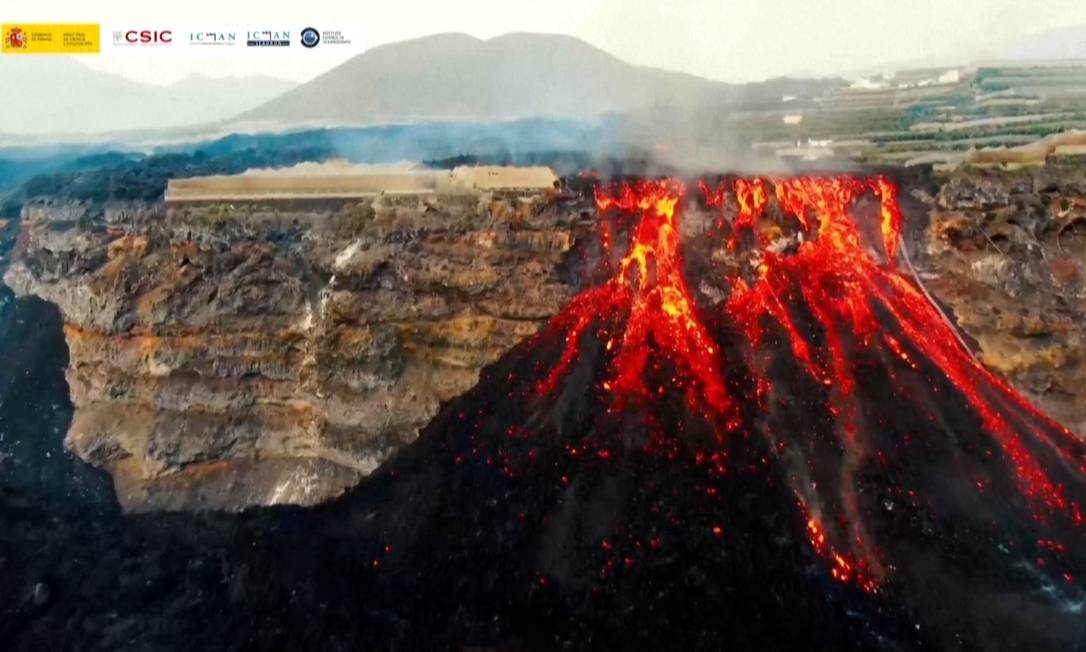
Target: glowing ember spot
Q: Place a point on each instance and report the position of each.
(896, 347)
(648, 307)
(843, 567)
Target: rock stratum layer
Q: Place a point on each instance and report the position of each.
(1007, 253)
(232, 355)
(225, 356)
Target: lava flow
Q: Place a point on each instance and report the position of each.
(842, 312)
(645, 313)
(753, 432)
(750, 418)
(860, 306)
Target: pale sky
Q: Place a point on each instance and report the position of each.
(727, 40)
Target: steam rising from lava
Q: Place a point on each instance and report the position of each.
(814, 282)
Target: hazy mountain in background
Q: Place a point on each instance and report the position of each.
(1056, 44)
(61, 95)
(456, 76)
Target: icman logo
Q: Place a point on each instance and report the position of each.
(15, 38)
(212, 38)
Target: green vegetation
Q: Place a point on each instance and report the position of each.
(899, 123)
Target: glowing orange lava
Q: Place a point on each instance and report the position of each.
(840, 282)
(644, 313)
(834, 297)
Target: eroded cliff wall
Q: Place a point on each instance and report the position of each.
(223, 356)
(1007, 253)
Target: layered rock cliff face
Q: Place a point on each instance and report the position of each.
(225, 356)
(228, 356)
(1008, 256)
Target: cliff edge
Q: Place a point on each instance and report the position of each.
(226, 355)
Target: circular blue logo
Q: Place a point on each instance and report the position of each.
(310, 37)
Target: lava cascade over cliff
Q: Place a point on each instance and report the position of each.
(842, 315)
(806, 458)
(812, 461)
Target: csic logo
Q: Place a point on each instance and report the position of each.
(143, 37)
(310, 37)
(15, 38)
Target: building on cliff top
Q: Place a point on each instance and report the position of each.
(338, 180)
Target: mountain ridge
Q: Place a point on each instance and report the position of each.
(63, 95)
(458, 76)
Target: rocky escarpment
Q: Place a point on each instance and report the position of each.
(230, 355)
(223, 356)
(1008, 256)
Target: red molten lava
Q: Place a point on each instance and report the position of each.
(841, 284)
(644, 313)
(836, 299)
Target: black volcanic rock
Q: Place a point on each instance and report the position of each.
(474, 537)
(540, 515)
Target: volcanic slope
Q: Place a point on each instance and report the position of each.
(811, 462)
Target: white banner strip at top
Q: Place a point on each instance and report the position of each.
(221, 38)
